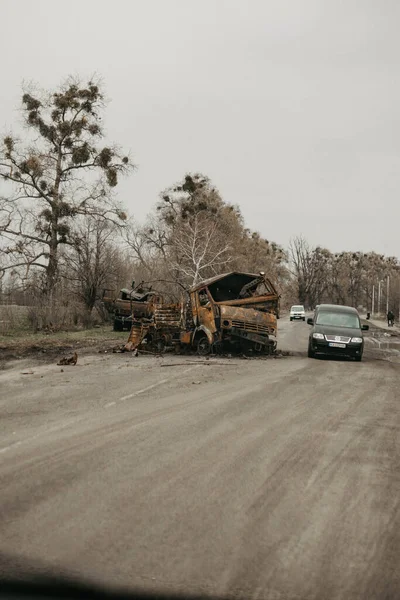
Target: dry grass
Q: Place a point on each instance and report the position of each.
(13, 318)
(40, 317)
(42, 345)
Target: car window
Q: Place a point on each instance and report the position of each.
(338, 319)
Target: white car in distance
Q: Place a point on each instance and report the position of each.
(297, 312)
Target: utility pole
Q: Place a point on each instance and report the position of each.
(387, 295)
(373, 300)
(379, 297)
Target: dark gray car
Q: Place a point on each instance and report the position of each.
(336, 330)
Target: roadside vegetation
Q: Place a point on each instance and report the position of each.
(24, 344)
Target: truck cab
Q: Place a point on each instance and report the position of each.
(233, 310)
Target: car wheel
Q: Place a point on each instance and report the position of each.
(310, 353)
(291, 319)
(304, 318)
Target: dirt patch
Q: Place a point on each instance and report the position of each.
(48, 348)
(46, 354)
(51, 347)
(185, 352)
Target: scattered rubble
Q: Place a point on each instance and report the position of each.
(69, 360)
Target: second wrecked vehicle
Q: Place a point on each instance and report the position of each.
(236, 311)
(136, 300)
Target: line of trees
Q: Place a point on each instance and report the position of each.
(64, 236)
(365, 280)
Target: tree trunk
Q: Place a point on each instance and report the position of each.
(52, 266)
(302, 293)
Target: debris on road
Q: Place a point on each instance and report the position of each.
(69, 360)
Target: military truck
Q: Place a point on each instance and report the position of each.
(233, 310)
(121, 306)
(236, 310)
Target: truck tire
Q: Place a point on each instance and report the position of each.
(118, 326)
(203, 346)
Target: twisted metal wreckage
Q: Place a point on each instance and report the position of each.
(235, 311)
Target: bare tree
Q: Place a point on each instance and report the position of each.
(302, 265)
(61, 174)
(194, 229)
(198, 251)
(89, 261)
(147, 244)
(309, 267)
(195, 234)
(253, 253)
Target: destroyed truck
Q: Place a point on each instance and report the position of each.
(236, 311)
(136, 301)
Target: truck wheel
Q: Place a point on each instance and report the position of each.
(203, 346)
(118, 325)
(159, 346)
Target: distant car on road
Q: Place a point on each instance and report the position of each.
(297, 312)
(336, 330)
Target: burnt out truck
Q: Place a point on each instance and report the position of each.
(127, 302)
(233, 311)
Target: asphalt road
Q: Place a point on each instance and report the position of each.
(273, 479)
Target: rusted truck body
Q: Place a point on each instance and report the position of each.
(128, 301)
(159, 328)
(236, 311)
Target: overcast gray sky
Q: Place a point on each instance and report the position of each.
(291, 107)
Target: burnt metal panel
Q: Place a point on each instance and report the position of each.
(249, 276)
(251, 337)
(137, 334)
